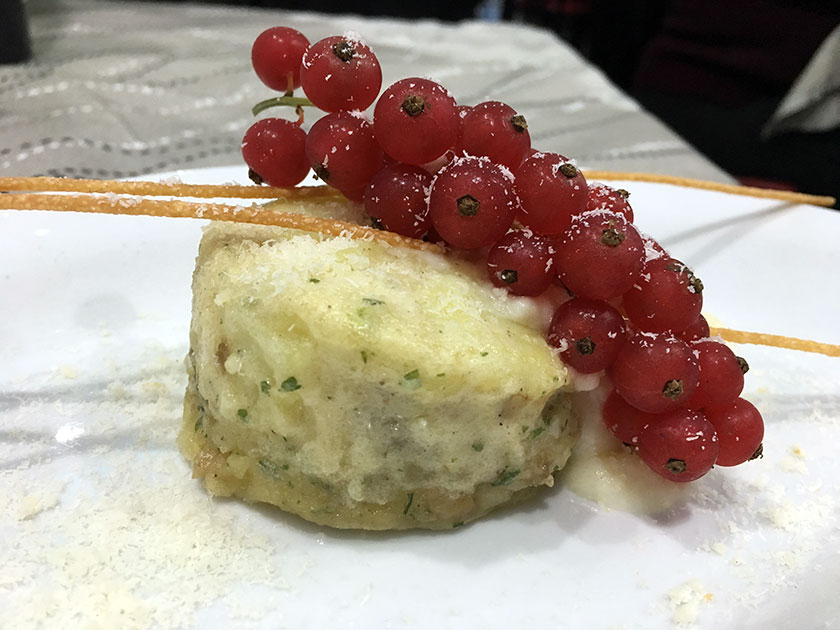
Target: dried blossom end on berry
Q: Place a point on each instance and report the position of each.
(255, 177)
(672, 389)
(413, 105)
(695, 283)
(519, 123)
(585, 346)
(612, 237)
(568, 169)
(468, 206)
(321, 172)
(344, 50)
(508, 276)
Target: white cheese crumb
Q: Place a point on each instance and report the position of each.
(685, 600)
(792, 464)
(233, 364)
(85, 542)
(39, 500)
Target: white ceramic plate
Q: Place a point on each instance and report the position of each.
(103, 527)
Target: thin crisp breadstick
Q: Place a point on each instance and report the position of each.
(777, 341)
(162, 189)
(687, 182)
(215, 212)
(113, 204)
(60, 184)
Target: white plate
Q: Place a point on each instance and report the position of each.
(103, 527)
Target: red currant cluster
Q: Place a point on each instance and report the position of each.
(427, 167)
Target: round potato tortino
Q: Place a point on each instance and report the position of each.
(360, 385)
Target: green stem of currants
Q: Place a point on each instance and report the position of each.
(281, 101)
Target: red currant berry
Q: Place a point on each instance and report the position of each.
(340, 73)
(655, 372)
(740, 430)
(493, 129)
(435, 165)
(551, 190)
(274, 150)
(343, 152)
(680, 446)
(625, 421)
(600, 255)
(588, 333)
(416, 121)
(667, 296)
(721, 375)
(653, 250)
(356, 195)
(603, 197)
(472, 204)
(387, 160)
(522, 262)
(433, 237)
(276, 56)
(397, 197)
(462, 111)
(696, 331)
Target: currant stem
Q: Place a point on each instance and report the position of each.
(280, 101)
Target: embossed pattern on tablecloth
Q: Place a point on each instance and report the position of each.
(120, 89)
